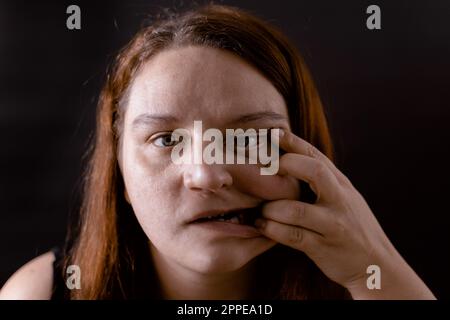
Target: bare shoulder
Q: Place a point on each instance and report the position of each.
(33, 281)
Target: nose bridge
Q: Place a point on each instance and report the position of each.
(201, 176)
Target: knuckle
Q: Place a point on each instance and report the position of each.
(299, 211)
(311, 150)
(320, 170)
(296, 236)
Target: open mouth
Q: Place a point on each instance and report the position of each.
(245, 216)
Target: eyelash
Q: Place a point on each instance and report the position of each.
(161, 135)
(166, 134)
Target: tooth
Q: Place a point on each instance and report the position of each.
(234, 220)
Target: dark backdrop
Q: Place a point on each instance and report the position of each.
(385, 91)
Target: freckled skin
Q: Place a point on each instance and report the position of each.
(197, 83)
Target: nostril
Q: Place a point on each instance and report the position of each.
(207, 178)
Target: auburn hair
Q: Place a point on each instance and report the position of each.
(108, 243)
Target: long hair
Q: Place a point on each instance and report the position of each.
(109, 245)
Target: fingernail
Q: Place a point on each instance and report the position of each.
(281, 133)
(260, 223)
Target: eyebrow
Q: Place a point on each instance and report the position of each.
(255, 116)
(146, 119)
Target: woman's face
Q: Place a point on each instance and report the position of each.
(175, 88)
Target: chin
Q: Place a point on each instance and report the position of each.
(214, 261)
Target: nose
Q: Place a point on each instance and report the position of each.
(207, 178)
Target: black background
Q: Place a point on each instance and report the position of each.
(386, 93)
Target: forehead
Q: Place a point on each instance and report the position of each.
(201, 83)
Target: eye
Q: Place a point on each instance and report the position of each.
(167, 140)
(251, 141)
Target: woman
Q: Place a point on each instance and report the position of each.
(146, 229)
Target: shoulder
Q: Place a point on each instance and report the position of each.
(33, 281)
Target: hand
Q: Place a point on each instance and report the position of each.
(339, 231)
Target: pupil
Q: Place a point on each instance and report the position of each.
(167, 140)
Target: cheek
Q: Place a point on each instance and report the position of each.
(247, 179)
(148, 185)
(144, 169)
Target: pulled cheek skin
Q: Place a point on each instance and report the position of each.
(249, 180)
(153, 186)
(150, 188)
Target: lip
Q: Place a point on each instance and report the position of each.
(205, 214)
(234, 229)
(238, 230)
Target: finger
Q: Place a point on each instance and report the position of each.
(302, 214)
(292, 143)
(294, 237)
(315, 173)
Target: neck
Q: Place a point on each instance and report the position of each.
(180, 283)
